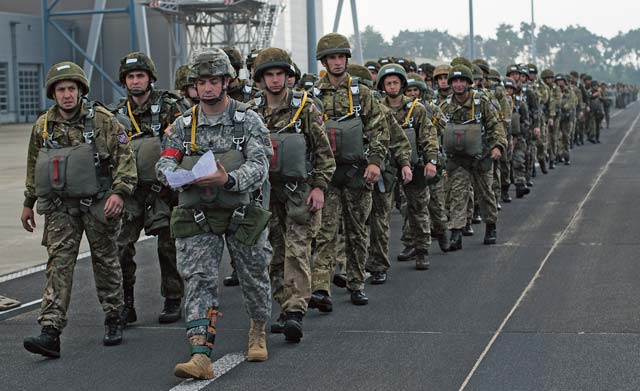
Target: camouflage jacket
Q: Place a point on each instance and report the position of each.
(238, 92)
(399, 145)
(426, 132)
(312, 126)
(169, 111)
(519, 105)
(111, 141)
(543, 94)
(218, 136)
(459, 113)
(554, 100)
(335, 101)
(532, 104)
(568, 101)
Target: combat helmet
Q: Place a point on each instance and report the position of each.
(372, 65)
(391, 69)
(477, 72)
(493, 75)
(66, 70)
(532, 68)
(546, 73)
(137, 61)
(251, 57)
(210, 62)
(307, 81)
(427, 68)
(511, 69)
(272, 58)
(483, 64)
(561, 76)
(235, 57)
(333, 43)
(182, 77)
(460, 72)
(360, 72)
(414, 80)
(442, 69)
(462, 61)
(510, 83)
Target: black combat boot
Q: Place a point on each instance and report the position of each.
(505, 196)
(476, 219)
(340, 280)
(378, 278)
(467, 230)
(407, 254)
(567, 159)
(552, 164)
(456, 240)
(128, 311)
(534, 172)
(293, 327)
(232, 279)
(443, 242)
(422, 260)
(112, 331)
(522, 190)
(543, 166)
(358, 297)
(490, 234)
(171, 311)
(277, 327)
(321, 300)
(529, 183)
(46, 344)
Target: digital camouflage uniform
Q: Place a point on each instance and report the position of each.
(133, 221)
(355, 198)
(66, 219)
(292, 227)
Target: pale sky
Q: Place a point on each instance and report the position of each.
(602, 17)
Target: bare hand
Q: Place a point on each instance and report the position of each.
(218, 178)
(372, 173)
(495, 153)
(407, 174)
(315, 200)
(550, 122)
(114, 205)
(28, 219)
(430, 170)
(536, 132)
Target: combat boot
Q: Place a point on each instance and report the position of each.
(358, 297)
(534, 172)
(257, 341)
(46, 344)
(455, 243)
(321, 300)
(277, 327)
(490, 234)
(543, 166)
(407, 254)
(521, 190)
(128, 311)
(378, 278)
(340, 280)
(171, 311)
(422, 260)
(199, 366)
(112, 330)
(443, 242)
(467, 230)
(293, 327)
(232, 279)
(552, 164)
(476, 219)
(504, 195)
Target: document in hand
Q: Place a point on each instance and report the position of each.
(180, 177)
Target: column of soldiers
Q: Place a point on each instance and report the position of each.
(309, 170)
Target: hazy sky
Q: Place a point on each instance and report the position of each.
(602, 17)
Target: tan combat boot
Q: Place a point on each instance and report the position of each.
(199, 367)
(257, 341)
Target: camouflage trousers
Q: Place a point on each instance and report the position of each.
(62, 236)
(199, 259)
(471, 203)
(416, 231)
(290, 269)
(541, 143)
(531, 154)
(519, 159)
(437, 207)
(379, 232)
(564, 138)
(552, 141)
(579, 129)
(461, 179)
(505, 165)
(171, 285)
(354, 205)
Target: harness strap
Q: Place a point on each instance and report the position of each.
(133, 120)
(409, 113)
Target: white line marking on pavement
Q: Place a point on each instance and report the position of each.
(21, 307)
(560, 238)
(220, 367)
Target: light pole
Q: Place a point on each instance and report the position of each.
(471, 48)
(533, 36)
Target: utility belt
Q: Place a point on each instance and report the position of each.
(76, 207)
(246, 222)
(470, 163)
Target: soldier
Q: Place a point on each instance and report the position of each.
(596, 109)
(359, 140)
(471, 113)
(219, 204)
(300, 171)
(251, 57)
(531, 98)
(79, 169)
(543, 95)
(149, 207)
(240, 90)
(547, 76)
(606, 102)
(373, 68)
(566, 113)
(519, 130)
(579, 121)
(506, 105)
(417, 168)
(186, 89)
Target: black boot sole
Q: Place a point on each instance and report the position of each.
(39, 349)
(165, 319)
(112, 342)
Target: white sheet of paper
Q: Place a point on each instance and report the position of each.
(206, 165)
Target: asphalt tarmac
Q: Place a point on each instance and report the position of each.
(553, 306)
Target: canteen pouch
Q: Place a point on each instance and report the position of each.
(250, 221)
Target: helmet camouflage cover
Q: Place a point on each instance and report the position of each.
(137, 61)
(66, 70)
(272, 58)
(210, 62)
(462, 61)
(360, 72)
(546, 73)
(182, 77)
(332, 43)
(493, 75)
(235, 57)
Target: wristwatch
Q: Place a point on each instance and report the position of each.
(230, 183)
(434, 162)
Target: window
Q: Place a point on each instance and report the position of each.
(4, 87)
(30, 87)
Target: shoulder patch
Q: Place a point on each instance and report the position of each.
(169, 131)
(122, 138)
